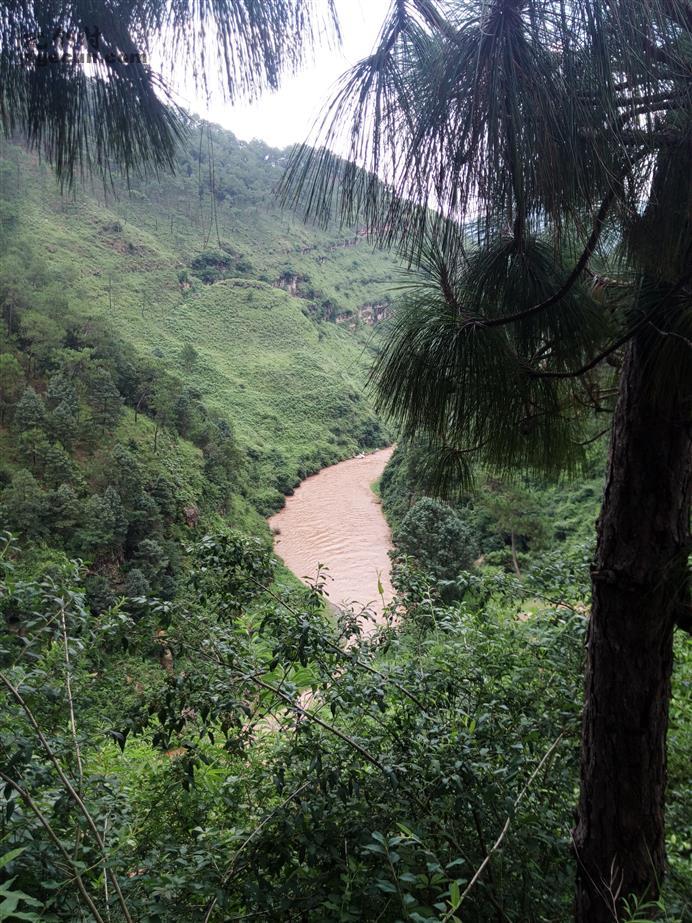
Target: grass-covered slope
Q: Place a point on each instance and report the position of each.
(204, 274)
(286, 382)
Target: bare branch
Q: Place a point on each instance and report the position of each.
(496, 845)
(69, 787)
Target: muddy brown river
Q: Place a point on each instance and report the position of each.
(335, 519)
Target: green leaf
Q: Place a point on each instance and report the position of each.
(11, 856)
(454, 894)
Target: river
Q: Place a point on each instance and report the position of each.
(335, 519)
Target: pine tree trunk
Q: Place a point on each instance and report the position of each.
(638, 580)
(515, 559)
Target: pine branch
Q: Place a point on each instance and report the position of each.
(573, 277)
(646, 319)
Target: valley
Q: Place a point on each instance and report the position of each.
(299, 568)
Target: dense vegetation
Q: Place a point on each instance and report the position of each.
(285, 765)
(499, 522)
(168, 674)
(186, 733)
(228, 749)
(139, 399)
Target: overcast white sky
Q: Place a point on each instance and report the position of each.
(286, 116)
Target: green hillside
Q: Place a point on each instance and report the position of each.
(163, 384)
(202, 276)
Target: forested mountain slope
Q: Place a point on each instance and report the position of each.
(182, 327)
(168, 370)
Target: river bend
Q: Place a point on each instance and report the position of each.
(335, 519)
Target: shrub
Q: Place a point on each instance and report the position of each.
(437, 538)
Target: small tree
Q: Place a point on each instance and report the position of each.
(30, 412)
(162, 405)
(63, 424)
(61, 390)
(151, 559)
(434, 534)
(11, 383)
(40, 335)
(66, 511)
(136, 584)
(34, 449)
(516, 512)
(125, 474)
(104, 398)
(105, 523)
(59, 467)
(189, 357)
(24, 506)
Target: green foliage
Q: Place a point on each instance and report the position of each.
(189, 356)
(105, 523)
(438, 539)
(230, 571)
(136, 584)
(24, 505)
(551, 522)
(245, 754)
(12, 901)
(103, 72)
(361, 776)
(30, 412)
(103, 397)
(642, 911)
(11, 381)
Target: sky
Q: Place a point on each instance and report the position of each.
(286, 116)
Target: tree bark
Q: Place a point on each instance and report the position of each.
(515, 559)
(638, 581)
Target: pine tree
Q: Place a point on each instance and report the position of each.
(63, 424)
(532, 159)
(30, 412)
(24, 506)
(105, 524)
(11, 382)
(66, 511)
(60, 390)
(58, 466)
(34, 448)
(104, 398)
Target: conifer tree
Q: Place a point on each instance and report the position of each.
(30, 412)
(11, 381)
(531, 158)
(76, 79)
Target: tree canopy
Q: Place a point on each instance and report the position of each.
(77, 82)
(531, 158)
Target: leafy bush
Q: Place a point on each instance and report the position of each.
(290, 765)
(437, 538)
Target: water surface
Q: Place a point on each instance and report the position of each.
(335, 519)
